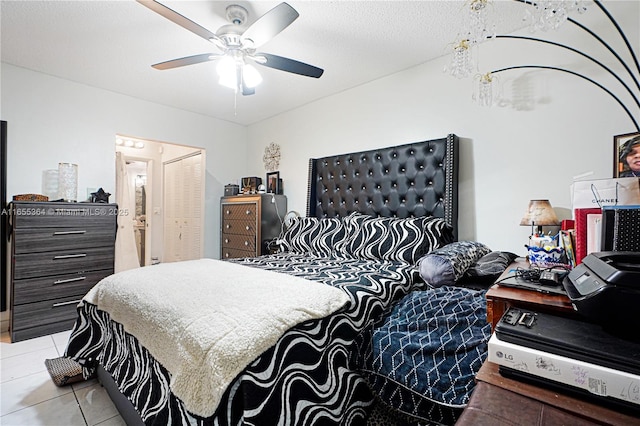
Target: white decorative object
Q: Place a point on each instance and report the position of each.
(271, 157)
(68, 181)
(50, 183)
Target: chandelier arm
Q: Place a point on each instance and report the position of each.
(609, 48)
(613, 52)
(635, 123)
(615, 24)
(634, 96)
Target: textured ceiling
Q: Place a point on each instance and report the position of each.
(111, 45)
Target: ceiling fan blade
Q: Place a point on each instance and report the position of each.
(270, 24)
(288, 65)
(177, 18)
(188, 60)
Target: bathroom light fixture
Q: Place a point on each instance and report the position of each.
(129, 143)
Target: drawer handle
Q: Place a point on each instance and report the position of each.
(70, 280)
(248, 212)
(69, 232)
(228, 226)
(72, 302)
(226, 240)
(247, 227)
(69, 256)
(228, 211)
(246, 243)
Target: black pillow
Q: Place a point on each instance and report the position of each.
(487, 269)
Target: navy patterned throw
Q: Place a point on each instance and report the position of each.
(423, 356)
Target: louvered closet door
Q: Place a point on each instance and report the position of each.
(183, 209)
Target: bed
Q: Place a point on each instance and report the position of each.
(371, 216)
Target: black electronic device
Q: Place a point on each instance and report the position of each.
(569, 337)
(548, 281)
(605, 288)
(550, 337)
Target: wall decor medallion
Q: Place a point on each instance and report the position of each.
(271, 157)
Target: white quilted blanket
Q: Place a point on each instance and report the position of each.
(206, 320)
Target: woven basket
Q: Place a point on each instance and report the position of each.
(64, 371)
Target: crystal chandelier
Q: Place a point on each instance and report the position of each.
(551, 14)
(462, 64)
(485, 89)
(478, 26)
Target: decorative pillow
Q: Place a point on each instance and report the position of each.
(404, 240)
(491, 265)
(313, 235)
(446, 265)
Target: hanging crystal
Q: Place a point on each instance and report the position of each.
(551, 14)
(485, 89)
(478, 26)
(461, 64)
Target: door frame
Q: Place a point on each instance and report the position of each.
(149, 222)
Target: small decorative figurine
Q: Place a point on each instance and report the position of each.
(100, 196)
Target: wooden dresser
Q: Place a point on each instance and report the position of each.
(59, 251)
(248, 222)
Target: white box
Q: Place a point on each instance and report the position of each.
(601, 381)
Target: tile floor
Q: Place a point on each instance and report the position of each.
(29, 397)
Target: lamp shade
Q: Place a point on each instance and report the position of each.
(540, 213)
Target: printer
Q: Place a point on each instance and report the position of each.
(605, 288)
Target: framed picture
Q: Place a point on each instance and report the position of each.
(626, 155)
(273, 182)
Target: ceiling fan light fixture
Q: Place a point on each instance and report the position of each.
(251, 76)
(226, 69)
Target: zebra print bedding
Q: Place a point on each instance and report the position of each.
(310, 361)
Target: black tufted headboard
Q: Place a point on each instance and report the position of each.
(416, 179)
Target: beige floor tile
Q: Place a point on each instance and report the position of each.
(95, 404)
(61, 339)
(25, 364)
(27, 391)
(113, 421)
(12, 349)
(63, 410)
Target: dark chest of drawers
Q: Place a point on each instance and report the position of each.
(248, 221)
(59, 251)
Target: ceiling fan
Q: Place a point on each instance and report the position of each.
(238, 43)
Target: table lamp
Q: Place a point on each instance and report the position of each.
(539, 213)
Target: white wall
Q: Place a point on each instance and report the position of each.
(508, 156)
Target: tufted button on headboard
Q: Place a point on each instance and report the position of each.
(416, 179)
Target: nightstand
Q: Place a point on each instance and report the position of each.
(500, 298)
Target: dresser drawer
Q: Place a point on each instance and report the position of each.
(239, 227)
(56, 286)
(34, 240)
(239, 242)
(26, 214)
(44, 313)
(228, 253)
(240, 211)
(62, 262)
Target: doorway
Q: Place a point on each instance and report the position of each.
(139, 172)
(148, 186)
